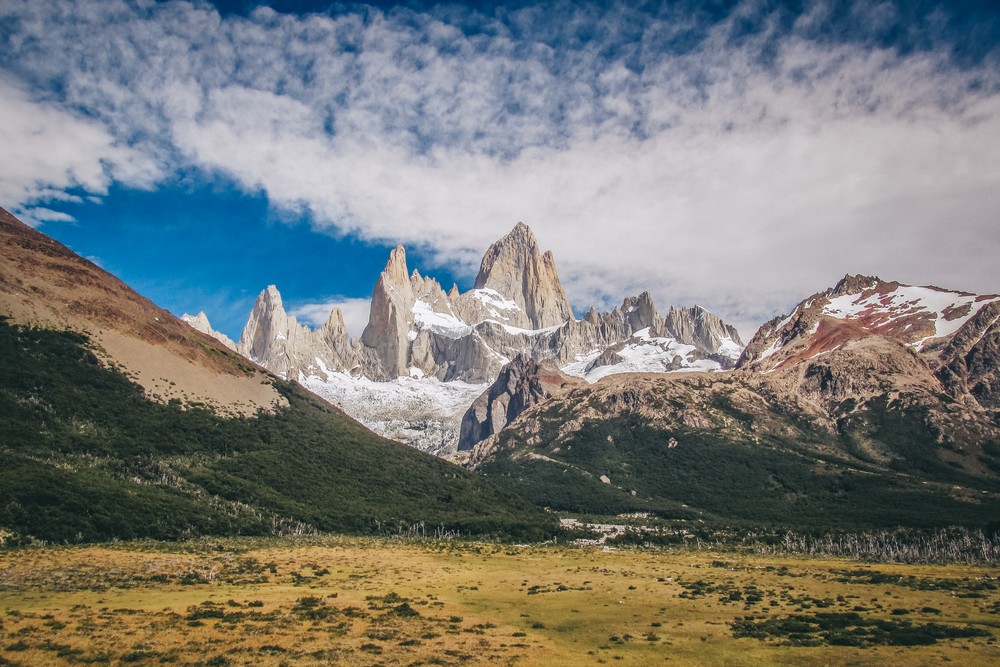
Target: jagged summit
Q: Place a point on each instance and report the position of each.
(395, 271)
(517, 307)
(275, 340)
(392, 303)
(515, 268)
(200, 323)
(853, 284)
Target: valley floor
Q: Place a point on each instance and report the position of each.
(380, 601)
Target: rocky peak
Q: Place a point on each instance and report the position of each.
(697, 326)
(521, 383)
(200, 323)
(268, 322)
(334, 326)
(391, 314)
(854, 284)
(515, 268)
(395, 271)
(640, 312)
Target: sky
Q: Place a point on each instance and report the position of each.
(736, 155)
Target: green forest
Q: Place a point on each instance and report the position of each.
(85, 456)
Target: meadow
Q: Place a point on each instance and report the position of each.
(368, 601)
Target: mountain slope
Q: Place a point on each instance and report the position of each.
(728, 448)
(87, 451)
(43, 283)
(872, 405)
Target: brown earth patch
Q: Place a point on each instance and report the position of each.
(43, 283)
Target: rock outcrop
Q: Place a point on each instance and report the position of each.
(521, 384)
(200, 323)
(970, 361)
(516, 268)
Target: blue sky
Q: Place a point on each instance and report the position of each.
(739, 155)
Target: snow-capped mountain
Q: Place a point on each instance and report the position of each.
(868, 338)
(426, 354)
(859, 307)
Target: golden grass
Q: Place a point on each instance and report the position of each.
(362, 601)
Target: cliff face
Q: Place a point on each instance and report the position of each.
(516, 268)
(521, 384)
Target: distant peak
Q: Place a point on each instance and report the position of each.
(851, 284)
(199, 321)
(271, 295)
(336, 319)
(395, 270)
(521, 234)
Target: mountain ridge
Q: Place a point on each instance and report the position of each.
(516, 307)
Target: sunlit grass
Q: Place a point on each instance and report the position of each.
(367, 601)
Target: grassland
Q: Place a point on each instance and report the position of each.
(378, 601)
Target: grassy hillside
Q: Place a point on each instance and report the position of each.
(810, 483)
(85, 456)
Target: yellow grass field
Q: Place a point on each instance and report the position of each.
(366, 601)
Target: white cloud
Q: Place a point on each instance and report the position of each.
(742, 174)
(36, 215)
(48, 151)
(355, 312)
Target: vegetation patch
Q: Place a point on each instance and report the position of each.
(849, 629)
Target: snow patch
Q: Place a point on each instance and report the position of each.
(730, 348)
(909, 301)
(527, 332)
(643, 353)
(772, 348)
(422, 412)
(445, 324)
(493, 299)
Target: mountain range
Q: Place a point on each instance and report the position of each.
(872, 404)
(426, 354)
